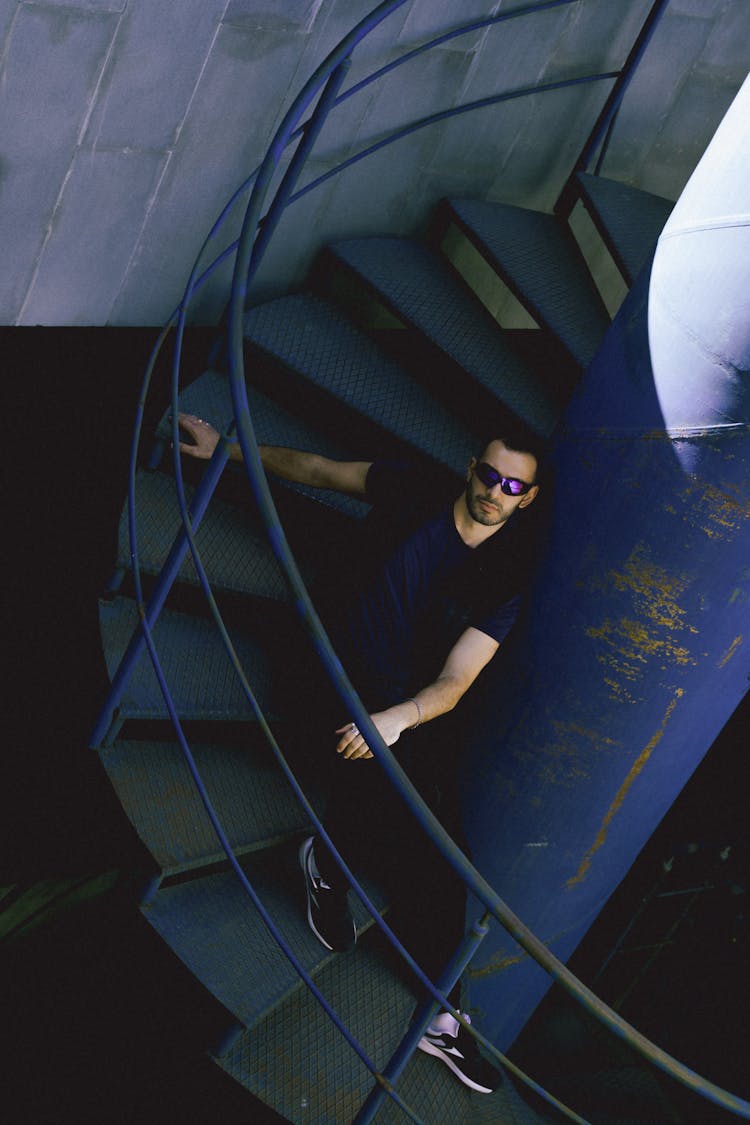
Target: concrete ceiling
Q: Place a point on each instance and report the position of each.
(126, 124)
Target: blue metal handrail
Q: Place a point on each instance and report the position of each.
(254, 238)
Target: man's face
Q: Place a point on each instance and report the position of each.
(490, 506)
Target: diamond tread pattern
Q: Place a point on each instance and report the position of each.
(630, 220)
(201, 678)
(212, 925)
(297, 1062)
(210, 397)
(425, 292)
(539, 259)
(249, 794)
(232, 549)
(311, 338)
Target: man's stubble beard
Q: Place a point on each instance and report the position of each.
(493, 518)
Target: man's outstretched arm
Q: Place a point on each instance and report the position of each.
(289, 464)
(471, 652)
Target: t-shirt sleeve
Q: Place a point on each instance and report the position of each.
(385, 482)
(497, 622)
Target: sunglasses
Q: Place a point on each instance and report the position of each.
(489, 477)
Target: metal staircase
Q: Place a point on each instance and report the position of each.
(320, 380)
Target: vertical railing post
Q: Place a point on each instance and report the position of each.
(102, 733)
(422, 1019)
(568, 196)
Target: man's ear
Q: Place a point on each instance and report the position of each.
(529, 496)
(471, 468)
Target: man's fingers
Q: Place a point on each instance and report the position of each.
(352, 745)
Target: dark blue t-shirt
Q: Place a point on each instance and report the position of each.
(412, 587)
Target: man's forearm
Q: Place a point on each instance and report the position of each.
(432, 701)
(292, 464)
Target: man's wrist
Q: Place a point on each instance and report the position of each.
(413, 726)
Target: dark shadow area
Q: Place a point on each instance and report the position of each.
(104, 1023)
(669, 952)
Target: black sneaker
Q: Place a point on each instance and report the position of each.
(327, 909)
(458, 1050)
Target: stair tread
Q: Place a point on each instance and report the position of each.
(231, 542)
(630, 220)
(424, 291)
(297, 1062)
(209, 396)
(246, 787)
(309, 337)
(213, 926)
(197, 668)
(538, 258)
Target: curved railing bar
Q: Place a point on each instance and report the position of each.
(250, 890)
(423, 815)
(601, 132)
(465, 29)
(439, 996)
(390, 138)
(406, 57)
(445, 114)
(178, 316)
(244, 265)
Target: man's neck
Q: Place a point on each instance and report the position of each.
(472, 533)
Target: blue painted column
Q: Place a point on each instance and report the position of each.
(638, 646)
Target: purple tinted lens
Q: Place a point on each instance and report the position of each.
(512, 487)
(490, 477)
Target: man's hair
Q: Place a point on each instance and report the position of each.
(519, 438)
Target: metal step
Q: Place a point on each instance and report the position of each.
(297, 1062)
(197, 668)
(629, 220)
(539, 260)
(351, 386)
(213, 926)
(245, 785)
(231, 541)
(426, 293)
(209, 397)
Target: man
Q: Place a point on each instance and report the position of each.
(418, 606)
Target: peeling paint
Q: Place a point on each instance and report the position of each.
(557, 760)
(648, 633)
(716, 511)
(498, 966)
(622, 793)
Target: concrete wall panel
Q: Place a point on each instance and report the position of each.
(595, 37)
(649, 108)
(213, 157)
(699, 105)
(514, 54)
(52, 64)
(82, 5)
(423, 86)
(727, 45)
(427, 21)
(533, 173)
(152, 72)
(8, 9)
(293, 17)
(202, 85)
(376, 195)
(92, 237)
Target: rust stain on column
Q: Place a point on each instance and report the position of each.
(616, 805)
(730, 651)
